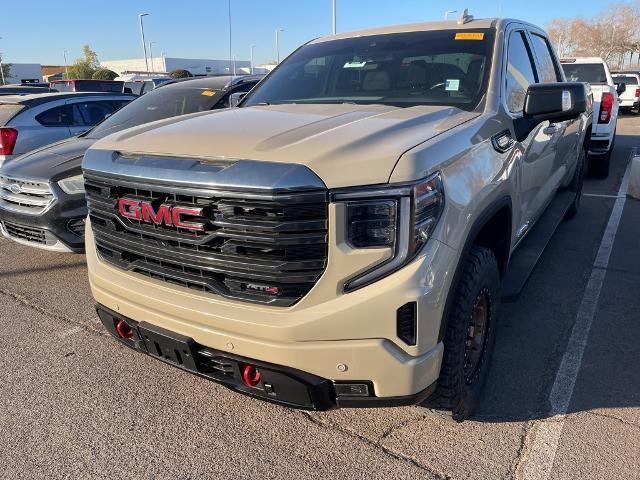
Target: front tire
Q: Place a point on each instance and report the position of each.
(469, 337)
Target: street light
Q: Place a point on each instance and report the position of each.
(334, 17)
(234, 65)
(278, 30)
(230, 49)
(66, 69)
(446, 14)
(151, 55)
(1, 69)
(144, 44)
(252, 47)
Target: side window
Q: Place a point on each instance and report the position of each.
(548, 71)
(55, 117)
(92, 113)
(520, 72)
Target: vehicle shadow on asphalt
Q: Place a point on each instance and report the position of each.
(533, 332)
(48, 268)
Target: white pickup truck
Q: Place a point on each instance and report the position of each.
(594, 70)
(630, 98)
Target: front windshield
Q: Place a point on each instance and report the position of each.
(444, 67)
(164, 102)
(585, 72)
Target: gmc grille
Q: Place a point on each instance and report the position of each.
(25, 196)
(261, 248)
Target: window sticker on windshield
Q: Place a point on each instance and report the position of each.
(470, 36)
(208, 93)
(354, 64)
(452, 85)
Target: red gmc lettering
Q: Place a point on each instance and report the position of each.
(160, 217)
(176, 214)
(168, 215)
(129, 208)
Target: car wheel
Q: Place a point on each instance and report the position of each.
(469, 336)
(576, 185)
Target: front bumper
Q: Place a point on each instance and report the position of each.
(277, 384)
(333, 336)
(49, 230)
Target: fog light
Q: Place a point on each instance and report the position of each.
(351, 389)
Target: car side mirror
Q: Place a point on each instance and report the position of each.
(555, 102)
(621, 88)
(236, 98)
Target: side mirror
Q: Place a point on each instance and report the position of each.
(555, 102)
(236, 98)
(621, 88)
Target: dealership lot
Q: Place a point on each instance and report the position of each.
(74, 403)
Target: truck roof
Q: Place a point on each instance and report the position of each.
(482, 23)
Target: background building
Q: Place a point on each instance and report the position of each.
(195, 66)
(23, 71)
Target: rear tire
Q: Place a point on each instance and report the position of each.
(469, 336)
(576, 185)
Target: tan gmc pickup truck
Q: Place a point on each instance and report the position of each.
(342, 237)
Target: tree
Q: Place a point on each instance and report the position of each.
(104, 74)
(613, 34)
(180, 73)
(6, 71)
(84, 68)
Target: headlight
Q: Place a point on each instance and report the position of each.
(398, 217)
(72, 185)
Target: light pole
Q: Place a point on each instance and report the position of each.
(1, 69)
(144, 44)
(230, 50)
(234, 65)
(151, 55)
(66, 69)
(446, 14)
(334, 17)
(278, 30)
(252, 48)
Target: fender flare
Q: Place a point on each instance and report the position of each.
(480, 222)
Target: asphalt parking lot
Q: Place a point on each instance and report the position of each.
(75, 404)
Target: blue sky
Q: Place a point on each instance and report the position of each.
(198, 29)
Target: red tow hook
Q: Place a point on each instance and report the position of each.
(251, 376)
(124, 330)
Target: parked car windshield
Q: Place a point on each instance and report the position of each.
(626, 79)
(164, 102)
(585, 72)
(445, 67)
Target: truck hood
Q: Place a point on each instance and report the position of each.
(52, 162)
(345, 145)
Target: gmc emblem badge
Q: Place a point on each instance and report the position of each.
(168, 215)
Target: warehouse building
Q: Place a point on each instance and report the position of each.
(197, 67)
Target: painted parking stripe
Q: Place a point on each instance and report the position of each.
(542, 453)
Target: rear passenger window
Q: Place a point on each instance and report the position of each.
(520, 72)
(92, 113)
(55, 117)
(548, 71)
